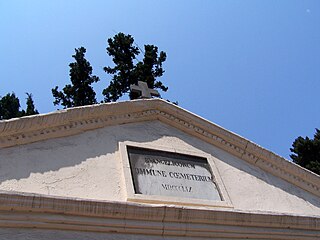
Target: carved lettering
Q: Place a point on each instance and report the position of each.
(168, 162)
(171, 174)
(151, 172)
(188, 176)
(177, 175)
(179, 188)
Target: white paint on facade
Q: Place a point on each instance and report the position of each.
(63, 176)
(88, 166)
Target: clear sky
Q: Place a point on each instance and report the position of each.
(253, 67)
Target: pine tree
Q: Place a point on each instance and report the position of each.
(30, 106)
(126, 72)
(10, 107)
(80, 91)
(306, 152)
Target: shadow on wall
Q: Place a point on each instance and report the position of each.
(51, 155)
(245, 167)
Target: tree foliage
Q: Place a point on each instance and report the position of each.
(10, 106)
(31, 110)
(128, 70)
(80, 91)
(306, 152)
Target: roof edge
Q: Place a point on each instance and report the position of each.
(40, 211)
(72, 121)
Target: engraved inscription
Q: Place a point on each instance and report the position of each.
(176, 188)
(167, 162)
(178, 175)
(171, 174)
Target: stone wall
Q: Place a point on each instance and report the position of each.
(88, 166)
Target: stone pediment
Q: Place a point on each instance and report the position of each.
(149, 169)
(74, 121)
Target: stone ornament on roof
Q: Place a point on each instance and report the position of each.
(143, 90)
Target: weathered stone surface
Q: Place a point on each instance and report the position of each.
(169, 174)
(88, 166)
(67, 171)
(15, 132)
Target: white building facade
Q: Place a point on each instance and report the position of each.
(147, 169)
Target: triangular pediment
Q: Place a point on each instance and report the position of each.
(247, 162)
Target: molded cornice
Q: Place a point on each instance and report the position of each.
(76, 120)
(46, 212)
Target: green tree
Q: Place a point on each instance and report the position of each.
(31, 110)
(128, 70)
(80, 91)
(10, 107)
(306, 152)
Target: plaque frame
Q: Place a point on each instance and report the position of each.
(131, 196)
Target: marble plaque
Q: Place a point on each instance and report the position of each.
(171, 174)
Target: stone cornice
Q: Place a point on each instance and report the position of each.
(76, 120)
(46, 212)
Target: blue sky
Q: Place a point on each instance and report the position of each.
(253, 67)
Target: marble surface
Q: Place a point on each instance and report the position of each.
(171, 174)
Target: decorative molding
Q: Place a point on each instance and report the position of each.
(76, 120)
(45, 212)
(249, 152)
(224, 202)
